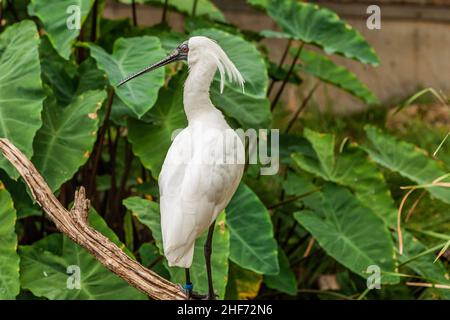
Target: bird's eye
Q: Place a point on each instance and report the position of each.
(185, 49)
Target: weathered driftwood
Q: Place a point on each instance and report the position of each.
(74, 224)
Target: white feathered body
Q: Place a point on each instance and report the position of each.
(204, 164)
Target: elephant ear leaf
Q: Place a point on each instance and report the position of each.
(348, 231)
(408, 160)
(285, 281)
(252, 244)
(129, 56)
(326, 70)
(67, 136)
(203, 7)
(9, 259)
(62, 21)
(364, 179)
(321, 27)
(57, 268)
(21, 93)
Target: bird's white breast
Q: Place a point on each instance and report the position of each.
(201, 172)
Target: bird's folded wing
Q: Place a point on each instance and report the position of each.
(193, 191)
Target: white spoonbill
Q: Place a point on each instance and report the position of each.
(205, 162)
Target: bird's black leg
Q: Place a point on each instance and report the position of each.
(188, 285)
(208, 251)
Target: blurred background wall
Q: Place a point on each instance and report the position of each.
(413, 45)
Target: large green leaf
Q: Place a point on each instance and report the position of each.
(204, 7)
(65, 78)
(252, 244)
(406, 159)
(351, 168)
(44, 269)
(326, 70)
(151, 137)
(348, 231)
(319, 26)
(56, 17)
(67, 136)
(147, 212)
(9, 259)
(424, 265)
(296, 184)
(57, 73)
(129, 56)
(20, 90)
(285, 281)
(90, 77)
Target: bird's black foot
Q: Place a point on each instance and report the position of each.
(191, 295)
(212, 296)
(196, 296)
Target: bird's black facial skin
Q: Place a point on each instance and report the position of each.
(180, 53)
(183, 50)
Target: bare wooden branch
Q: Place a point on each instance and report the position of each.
(74, 224)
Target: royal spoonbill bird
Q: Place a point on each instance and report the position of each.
(205, 162)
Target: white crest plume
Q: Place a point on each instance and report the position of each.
(224, 64)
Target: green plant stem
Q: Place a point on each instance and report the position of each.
(301, 107)
(289, 233)
(430, 233)
(364, 294)
(99, 146)
(164, 14)
(286, 78)
(126, 172)
(133, 11)
(417, 96)
(194, 8)
(94, 21)
(280, 65)
(292, 199)
(113, 156)
(440, 145)
(79, 50)
(144, 174)
(297, 245)
(424, 253)
(312, 254)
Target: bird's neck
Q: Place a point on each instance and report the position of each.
(196, 100)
